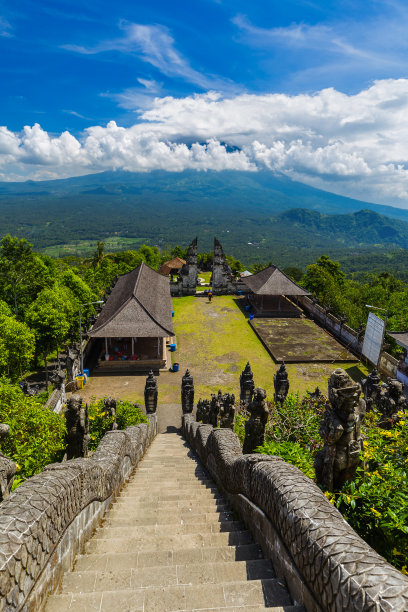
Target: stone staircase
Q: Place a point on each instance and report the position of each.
(170, 542)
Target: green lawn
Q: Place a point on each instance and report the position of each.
(215, 340)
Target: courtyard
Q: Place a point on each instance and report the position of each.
(299, 340)
(215, 340)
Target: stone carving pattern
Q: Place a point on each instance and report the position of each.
(76, 416)
(36, 515)
(255, 426)
(340, 569)
(150, 394)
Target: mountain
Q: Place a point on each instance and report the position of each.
(274, 192)
(257, 216)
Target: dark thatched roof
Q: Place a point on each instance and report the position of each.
(139, 306)
(174, 264)
(272, 281)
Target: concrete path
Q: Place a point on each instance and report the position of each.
(170, 542)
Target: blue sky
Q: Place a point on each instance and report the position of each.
(316, 90)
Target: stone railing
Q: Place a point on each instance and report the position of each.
(326, 565)
(48, 519)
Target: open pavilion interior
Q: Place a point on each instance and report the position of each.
(135, 322)
(273, 294)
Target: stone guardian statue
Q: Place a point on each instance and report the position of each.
(340, 429)
(255, 426)
(187, 393)
(77, 421)
(150, 394)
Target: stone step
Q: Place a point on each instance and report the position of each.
(163, 504)
(197, 497)
(161, 518)
(162, 576)
(234, 595)
(116, 561)
(171, 488)
(171, 529)
(189, 540)
(181, 507)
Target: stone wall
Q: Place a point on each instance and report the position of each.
(347, 335)
(48, 519)
(326, 565)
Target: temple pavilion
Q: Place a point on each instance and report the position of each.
(171, 267)
(272, 293)
(135, 322)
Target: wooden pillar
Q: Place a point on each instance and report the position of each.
(133, 346)
(106, 348)
(158, 347)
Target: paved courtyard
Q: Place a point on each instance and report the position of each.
(214, 340)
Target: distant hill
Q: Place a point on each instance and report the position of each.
(257, 216)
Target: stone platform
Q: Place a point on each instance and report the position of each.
(299, 341)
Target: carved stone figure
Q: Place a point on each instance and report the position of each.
(58, 379)
(390, 401)
(7, 467)
(110, 407)
(72, 362)
(222, 277)
(187, 393)
(77, 421)
(150, 394)
(255, 426)
(188, 272)
(227, 411)
(246, 381)
(203, 409)
(340, 429)
(214, 411)
(371, 388)
(281, 384)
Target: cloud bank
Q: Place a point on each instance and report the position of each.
(355, 145)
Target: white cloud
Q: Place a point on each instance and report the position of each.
(155, 45)
(356, 145)
(5, 28)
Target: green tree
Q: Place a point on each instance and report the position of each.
(17, 344)
(51, 317)
(22, 273)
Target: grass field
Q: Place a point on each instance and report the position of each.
(215, 340)
(86, 247)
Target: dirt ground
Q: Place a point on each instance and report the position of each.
(299, 340)
(214, 340)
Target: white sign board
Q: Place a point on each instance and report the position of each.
(373, 338)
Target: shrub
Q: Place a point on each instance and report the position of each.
(100, 420)
(37, 435)
(376, 503)
(292, 452)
